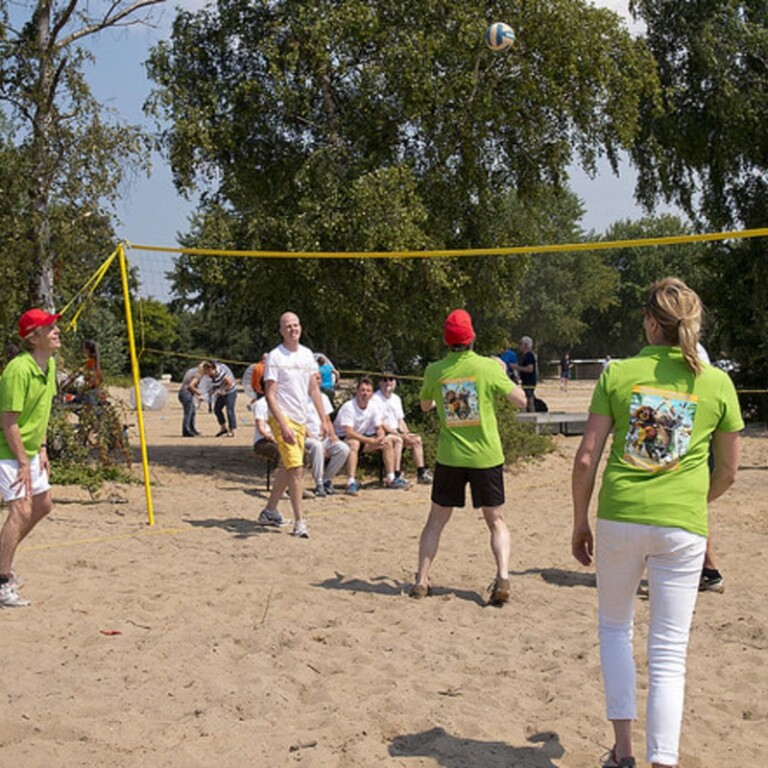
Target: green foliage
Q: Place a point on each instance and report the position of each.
(357, 126)
(67, 161)
(88, 445)
(616, 327)
(706, 149)
(156, 328)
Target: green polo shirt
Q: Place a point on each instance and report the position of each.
(28, 391)
(464, 386)
(657, 471)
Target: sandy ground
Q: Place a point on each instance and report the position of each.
(206, 640)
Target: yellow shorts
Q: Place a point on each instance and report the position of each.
(292, 455)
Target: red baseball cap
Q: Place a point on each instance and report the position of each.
(458, 328)
(35, 318)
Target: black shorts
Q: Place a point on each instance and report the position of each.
(486, 485)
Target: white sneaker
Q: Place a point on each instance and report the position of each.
(300, 530)
(10, 598)
(272, 517)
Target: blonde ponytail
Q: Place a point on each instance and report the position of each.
(678, 311)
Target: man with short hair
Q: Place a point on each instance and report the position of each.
(526, 369)
(27, 389)
(391, 407)
(359, 424)
(288, 380)
(465, 386)
(189, 393)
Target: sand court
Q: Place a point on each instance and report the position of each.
(209, 640)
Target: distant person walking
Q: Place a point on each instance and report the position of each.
(565, 371)
(663, 405)
(464, 386)
(27, 389)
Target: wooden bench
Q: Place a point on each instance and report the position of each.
(556, 423)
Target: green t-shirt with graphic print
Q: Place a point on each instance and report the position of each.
(28, 391)
(657, 471)
(464, 386)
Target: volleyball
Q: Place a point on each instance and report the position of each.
(499, 36)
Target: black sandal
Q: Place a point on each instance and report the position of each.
(610, 761)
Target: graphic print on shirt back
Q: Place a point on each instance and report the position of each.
(660, 426)
(460, 402)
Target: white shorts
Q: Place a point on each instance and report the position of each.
(9, 470)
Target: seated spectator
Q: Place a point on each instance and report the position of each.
(317, 449)
(359, 424)
(257, 377)
(263, 441)
(393, 416)
(84, 385)
(329, 377)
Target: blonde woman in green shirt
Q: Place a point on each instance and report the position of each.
(663, 405)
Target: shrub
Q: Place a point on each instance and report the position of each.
(88, 445)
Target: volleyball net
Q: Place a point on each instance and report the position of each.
(150, 264)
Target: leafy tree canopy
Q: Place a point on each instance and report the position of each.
(707, 150)
(68, 158)
(370, 126)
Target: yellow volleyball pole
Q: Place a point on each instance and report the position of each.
(136, 387)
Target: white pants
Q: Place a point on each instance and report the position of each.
(674, 559)
(338, 451)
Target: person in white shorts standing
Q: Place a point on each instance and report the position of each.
(27, 389)
(288, 380)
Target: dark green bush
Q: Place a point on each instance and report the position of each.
(88, 445)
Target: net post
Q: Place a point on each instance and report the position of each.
(136, 373)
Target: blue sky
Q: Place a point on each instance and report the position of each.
(153, 213)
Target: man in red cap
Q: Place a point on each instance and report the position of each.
(464, 386)
(27, 389)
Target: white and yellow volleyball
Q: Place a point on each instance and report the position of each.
(499, 36)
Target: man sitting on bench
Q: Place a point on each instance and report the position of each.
(359, 423)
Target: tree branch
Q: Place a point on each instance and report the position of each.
(63, 18)
(112, 18)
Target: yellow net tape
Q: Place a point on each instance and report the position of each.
(602, 245)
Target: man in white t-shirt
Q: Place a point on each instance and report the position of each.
(391, 407)
(288, 383)
(359, 424)
(318, 449)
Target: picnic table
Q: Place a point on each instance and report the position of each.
(556, 422)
